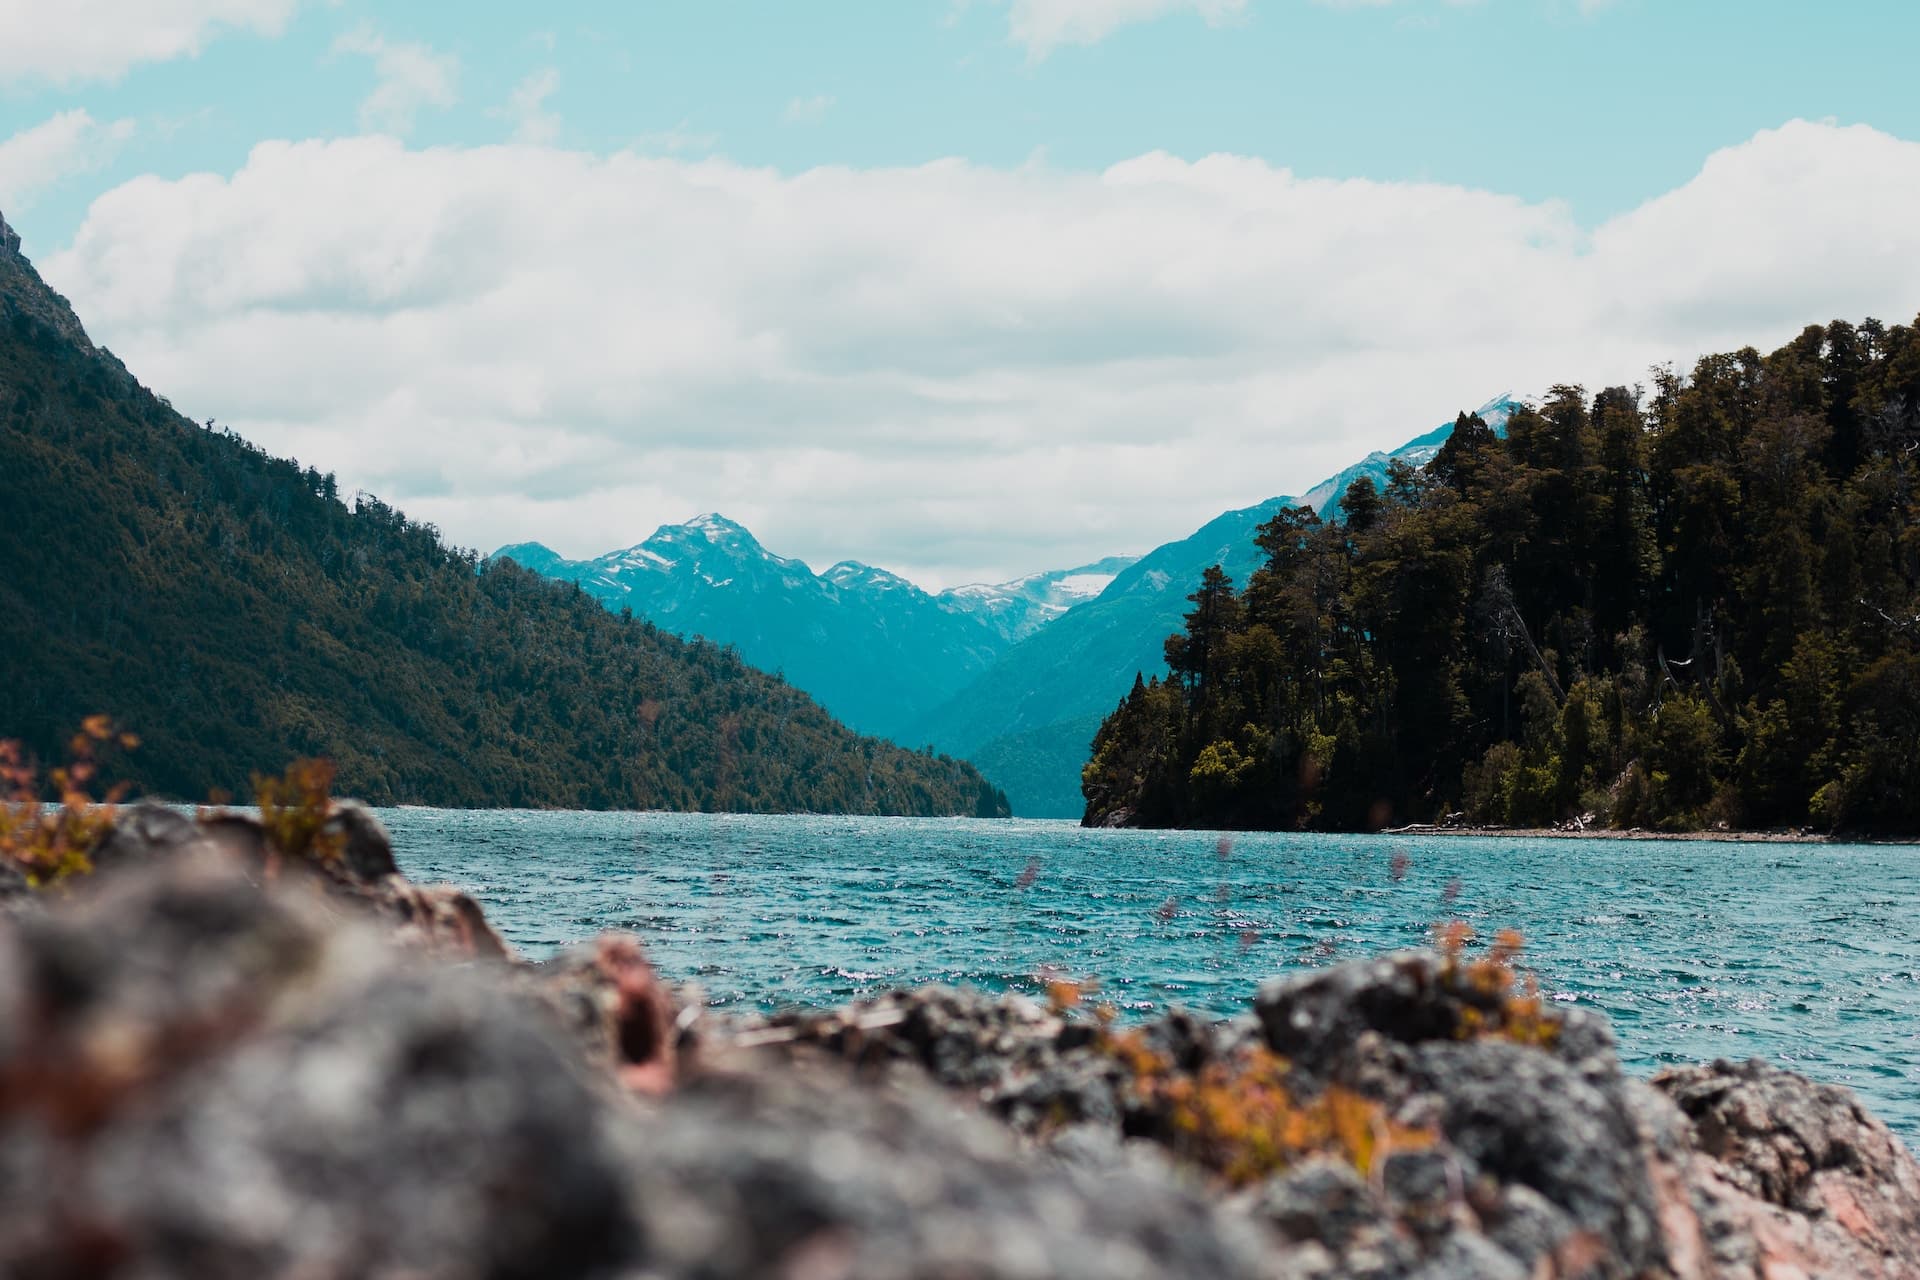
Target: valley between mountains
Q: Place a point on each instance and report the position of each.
(1013, 676)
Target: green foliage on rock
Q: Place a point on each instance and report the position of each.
(1675, 609)
(236, 611)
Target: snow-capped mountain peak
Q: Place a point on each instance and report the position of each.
(853, 575)
(717, 528)
(1021, 607)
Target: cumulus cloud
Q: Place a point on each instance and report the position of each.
(952, 370)
(409, 76)
(66, 41)
(1044, 25)
(39, 158)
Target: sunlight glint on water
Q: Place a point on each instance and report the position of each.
(1807, 955)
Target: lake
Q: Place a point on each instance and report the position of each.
(1808, 955)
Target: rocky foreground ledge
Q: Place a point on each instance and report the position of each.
(218, 1063)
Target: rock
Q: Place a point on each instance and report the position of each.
(964, 1039)
(366, 850)
(1315, 1019)
(1545, 1129)
(1323, 1200)
(16, 895)
(788, 1174)
(210, 1080)
(208, 1077)
(619, 1011)
(1523, 1117)
(148, 831)
(365, 874)
(9, 239)
(1059, 1090)
(1781, 1177)
(217, 1061)
(436, 917)
(1318, 1020)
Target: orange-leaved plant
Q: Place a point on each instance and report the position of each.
(48, 843)
(1240, 1118)
(1507, 1003)
(295, 808)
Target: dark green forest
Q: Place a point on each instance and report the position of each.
(1672, 607)
(232, 610)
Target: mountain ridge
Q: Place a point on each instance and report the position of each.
(877, 649)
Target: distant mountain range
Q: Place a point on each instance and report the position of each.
(876, 650)
(1014, 677)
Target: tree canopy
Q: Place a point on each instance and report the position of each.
(1676, 606)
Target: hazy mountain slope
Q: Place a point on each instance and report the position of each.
(1034, 711)
(1075, 668)
(876, 650)
(227, 606)
(873, 648)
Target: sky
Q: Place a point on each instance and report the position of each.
(963, 288)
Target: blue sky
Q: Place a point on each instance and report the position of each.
(1599, 105)
(1575, 117)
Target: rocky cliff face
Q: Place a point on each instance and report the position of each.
(215, 1062)
(27, 302)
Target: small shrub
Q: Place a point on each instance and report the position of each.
(1241, 1120)
(50, 843)
(1499, 1000)
(294, 809)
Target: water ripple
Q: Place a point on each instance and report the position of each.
(1798, 953)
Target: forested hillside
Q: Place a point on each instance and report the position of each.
(1027, 719)
(230, 608)
(1676, 608)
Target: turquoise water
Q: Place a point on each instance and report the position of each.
(1808, 955)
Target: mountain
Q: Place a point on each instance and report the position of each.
(228, 607)
(1028, 720)
(1417, 452)
(1019, 608)
(876, 650)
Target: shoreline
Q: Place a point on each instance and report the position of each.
(1641, 834)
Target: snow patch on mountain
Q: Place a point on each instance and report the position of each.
(1021, 607)
(1083, 586)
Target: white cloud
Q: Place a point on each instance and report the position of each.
(527, 108)
(951, 370)
(66, 41)
(71, 143)
(808, 110)
(1044, 25)
(409, 76)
